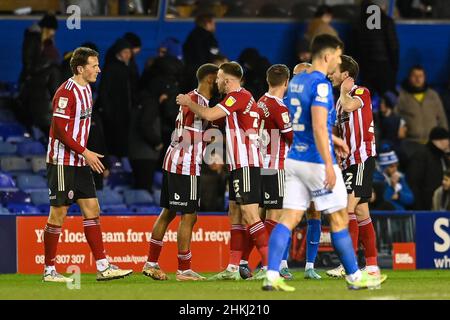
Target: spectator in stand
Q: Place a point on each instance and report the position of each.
(115, 99)
(390, 127)
(421, 108)
(213, 184)
(396, 189)
(446, 100)
(161, 82)
(40, 75)
(321, 24)
(201, 47)
(377, 50)
(411, 9)
(427, 167)
(377, 201)
(255, 67)
(441, 197)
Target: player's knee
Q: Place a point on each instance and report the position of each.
(57, 215)
(189, 218)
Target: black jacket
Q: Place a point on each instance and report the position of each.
(200, 47)
(376, 44)
(425, 173)
(115, 101)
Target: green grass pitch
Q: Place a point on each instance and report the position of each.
(423, 284)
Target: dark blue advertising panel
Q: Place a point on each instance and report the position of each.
(433, 240)
(8, 244)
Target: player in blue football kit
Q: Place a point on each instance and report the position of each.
(312, 173)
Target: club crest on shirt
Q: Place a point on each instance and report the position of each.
(230, 101)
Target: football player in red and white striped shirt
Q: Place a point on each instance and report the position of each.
(276, 136)
(355, 126)
(69, 165)
(243, 156)
(181, 179)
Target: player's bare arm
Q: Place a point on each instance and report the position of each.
(319, 122)
(341, 148)
(209, 114)
(349, 103)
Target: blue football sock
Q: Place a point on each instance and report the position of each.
(343, 245)
(277, 244)
(286, 251)
(312, 239)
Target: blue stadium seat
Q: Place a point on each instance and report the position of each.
(126, 165)
(4, 211)
(13, 132)
(7, 197)
(30, 148)
(6, 115)
(138, 197)
(114, 208)
(29, 183)
(44, 208)
(109, 197)
(39, 197)
(22, 208)
(119, 179)
(7, 149)
(157, 179)
(157, 196)
(15, 165)
(7, 182)
(39, 165)
(74, 208)
(148, 209)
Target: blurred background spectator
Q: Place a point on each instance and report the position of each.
(421, 108)
(40, 76)
(255, 67)
(115, 98)
(396, 189)
(426, 168)
(377, 50)
(441, 197)
(201, 46)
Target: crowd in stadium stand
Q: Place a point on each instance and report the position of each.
(135, 111)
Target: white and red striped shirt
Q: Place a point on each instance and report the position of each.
(72, 104)
(357, 128)
(275, 131)
(185, 153)
(242, 126)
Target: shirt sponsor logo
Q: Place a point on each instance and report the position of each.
(359, 91)
(320, 192)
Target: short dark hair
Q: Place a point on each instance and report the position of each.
(350, 65)
(277, 75)
(323, 10)
(204, 18)
(232, 68)
(80, 58)
(416, 67)
(205, 70)
(323, 42)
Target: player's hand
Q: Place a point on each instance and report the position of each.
(183, 99)
(93, 160)
(347, 85)
(330, 177)
(340, 147)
